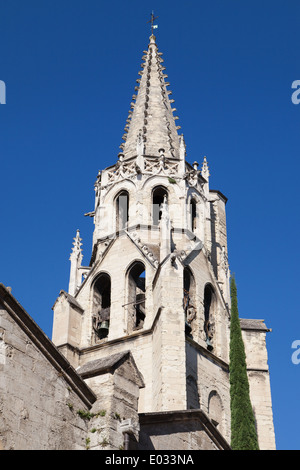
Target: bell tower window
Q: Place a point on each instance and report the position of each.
(193, 214)
(136, 296)
(209, 302)
(101, 305)
(158, 196)
(189, 299)
(122, 210)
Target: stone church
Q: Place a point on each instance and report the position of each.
(139, 357)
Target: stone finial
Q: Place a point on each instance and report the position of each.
(77, 244)
(205, 169)
(182, 146)
(76, 259)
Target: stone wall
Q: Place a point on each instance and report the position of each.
(40, 393)
(179, 430)
(208, 383)
(254, 336)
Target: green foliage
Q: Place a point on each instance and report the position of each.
(172, 180)
(117, 416)
(243, 431)
(85, 414)
(104, 442)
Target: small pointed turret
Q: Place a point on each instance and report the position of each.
(206, 174)
(151, 116)
(76, 259)
(205, 170)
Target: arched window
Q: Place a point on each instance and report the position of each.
(101, 305)
(158, 196)
(215, 409)
(209, 305)
(193, 214)
(136, 296)
(122, 210)
(192, 394)
(189, 299)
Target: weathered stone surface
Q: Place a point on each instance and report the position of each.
(184, 430)
(39, 390)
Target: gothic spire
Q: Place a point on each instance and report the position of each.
(151, 115)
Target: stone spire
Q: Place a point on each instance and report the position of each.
(151, 120)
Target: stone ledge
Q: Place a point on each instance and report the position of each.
(255, 325)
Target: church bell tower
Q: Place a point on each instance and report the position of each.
(158, 279)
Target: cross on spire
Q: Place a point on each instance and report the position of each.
(152, 19)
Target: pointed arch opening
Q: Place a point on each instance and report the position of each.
(136, 296)
(122, 210)
(192, 393)
(189, 299)
(158, 195)
(193, 214)
(209, 312)
(101, 305)
(215, 409)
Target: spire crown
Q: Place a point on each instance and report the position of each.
(152, 39)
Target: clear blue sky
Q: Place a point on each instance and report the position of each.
(70, 69)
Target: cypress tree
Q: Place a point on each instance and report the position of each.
(243, 431)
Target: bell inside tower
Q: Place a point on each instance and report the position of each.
(189, 300)
(209, 301)
(101, 305)
(136, 296)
